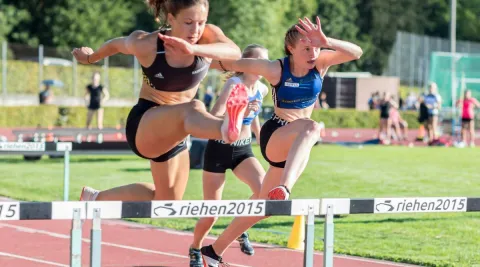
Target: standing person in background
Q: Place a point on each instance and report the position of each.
(468, 104)
(385, 121)
(45, 96)
(95, 96)
(422, 117)
(208, 98)
(433, 102)
(322, 101)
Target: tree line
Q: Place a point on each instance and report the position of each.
(370, 23)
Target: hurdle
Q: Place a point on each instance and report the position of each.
(50, 148)
(340, 206)
(78, 211)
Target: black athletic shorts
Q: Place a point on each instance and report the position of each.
(219, 156)
(268, 128)
(133, 121)
(466, 120)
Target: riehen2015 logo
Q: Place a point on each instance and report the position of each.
(430, 204)
(225, 208)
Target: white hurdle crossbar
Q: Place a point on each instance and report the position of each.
(339, 206)
(77, 211)
(51, 148)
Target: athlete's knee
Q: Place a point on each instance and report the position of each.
(312, 129)
(256, 188)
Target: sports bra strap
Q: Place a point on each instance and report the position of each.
(281, 74)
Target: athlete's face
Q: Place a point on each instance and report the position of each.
(189, 23)
(304, 55)
(260, 54)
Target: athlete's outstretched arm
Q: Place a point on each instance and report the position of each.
(270, 69)
(215, 45)
(124, 45)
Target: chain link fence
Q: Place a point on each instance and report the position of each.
(411, 55)
(26, 70)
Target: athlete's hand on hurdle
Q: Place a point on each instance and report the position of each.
(177, 45)
(81, 54)
(313, 34)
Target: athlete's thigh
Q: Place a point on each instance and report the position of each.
(282, 139)
(170, 177)
(160, 129)
(213, 184)
(251, 172)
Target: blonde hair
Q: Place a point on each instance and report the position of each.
(291, 37)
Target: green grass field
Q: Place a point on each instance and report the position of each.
(427, 239)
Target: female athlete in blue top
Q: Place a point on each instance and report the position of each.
(287, 138)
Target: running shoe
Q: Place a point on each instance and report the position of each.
(280, 192)
(245, 245)
(210, 258)
(195, 257)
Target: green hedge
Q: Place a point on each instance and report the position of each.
(22, 78)
(45, 116)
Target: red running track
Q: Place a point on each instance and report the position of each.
(47, 243)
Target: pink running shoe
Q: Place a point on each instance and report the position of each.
(236, 104)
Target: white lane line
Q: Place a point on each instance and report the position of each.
(31, 259)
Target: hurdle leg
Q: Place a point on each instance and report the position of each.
(328, 238)
(309, 238)
(76, 240)
(66, 174)
(96, 240)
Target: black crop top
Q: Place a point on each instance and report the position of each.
(162, 77)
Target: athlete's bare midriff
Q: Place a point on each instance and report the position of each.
(294, 114)
(167, 98)
(246, 132)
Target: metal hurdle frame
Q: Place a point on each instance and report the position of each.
(49, 148)
(388, 205)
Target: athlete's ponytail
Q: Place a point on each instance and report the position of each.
(161, 8)
(291, 37)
